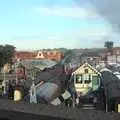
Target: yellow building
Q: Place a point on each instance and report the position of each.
(7, 68)
(86, 78)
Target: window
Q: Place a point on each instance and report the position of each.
(86, 79)
(86, 71)
(95, 82)
(117, 52)
(79, 79)
(1, 82)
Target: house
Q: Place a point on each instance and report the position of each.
(41, 55)
(115, 51)
(111, 84)
(54, 73)
(46, 91)
(86, 78)
(117, 74)
(90, 57)
(25, 55)
(100, 55)
(50, 83)
(36, 65)
(113, 56)
(7, 68)
(52, 55)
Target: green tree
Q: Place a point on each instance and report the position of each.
(6, 54)
(109, 45)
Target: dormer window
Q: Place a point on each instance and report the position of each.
(86, 71)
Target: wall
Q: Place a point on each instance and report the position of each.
(81, 69)
(11, 115)
(11, 111)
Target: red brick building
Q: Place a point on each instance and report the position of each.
(24, 55)
(52, 55)
(115, 51)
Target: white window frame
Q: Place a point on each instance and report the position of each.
(86, 77)
(80, 78)
(75, 79)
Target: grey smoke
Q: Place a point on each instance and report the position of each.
(109, 10)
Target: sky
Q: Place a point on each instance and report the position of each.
(38, 24)
(109, 9)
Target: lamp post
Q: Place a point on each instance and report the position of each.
(106, 91)
(106, 100)
(33, 97)
(16, 77)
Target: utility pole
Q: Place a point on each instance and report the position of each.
(16, 77)
(106, 93)
(33, 97)
(106, 99)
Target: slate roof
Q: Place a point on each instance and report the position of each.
(117, 74)
(55, 73)
(48, 91)
(111, 82)
(90, 54)
(41, 64)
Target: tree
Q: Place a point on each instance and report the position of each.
(6, 54)
(109, 45)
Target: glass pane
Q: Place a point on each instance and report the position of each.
(86, 79)
(95, 82)
(86, 71)
(78, 79)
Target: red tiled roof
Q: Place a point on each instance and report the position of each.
(32, 55)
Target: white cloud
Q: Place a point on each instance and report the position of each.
(74, 11)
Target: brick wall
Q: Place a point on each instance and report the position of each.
(52, 55)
